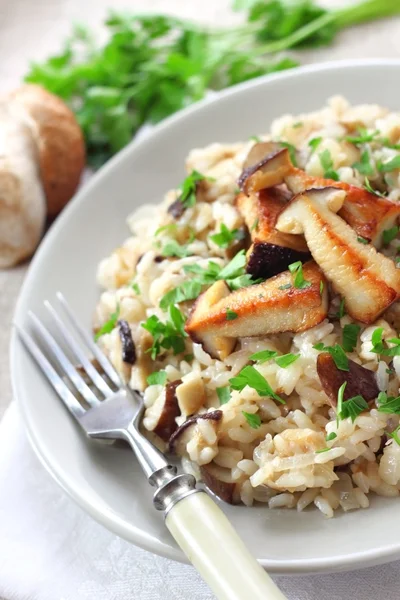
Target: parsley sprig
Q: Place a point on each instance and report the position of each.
(296, 269)
(388, 404)
(110, 324)
(350, 408)
(379, 347)
(168, 335)
(327, 164)
(253, 378)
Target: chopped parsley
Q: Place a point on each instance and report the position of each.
(363, 136)
(296, 269)
(323, 450)
(188, 290)
(364, 166)
(135, 288)
(251, 377)
(188, 188)
(263, 355)
(188, 357)
(352, 408)
(390, 234)
(394, 435)
(253, 420)
(327, 164)
(172, 248)
(388, 404)
(350, 336)
(291, 150)
(337, 353)
(233, 273)
(331, 436)
(341, 311)
(339, 406)
(170, 228)
(231, 315)
(169, 335)
(255, 225)
(378, 346)
(256, 139)
(390, 165)
(286, 360)
(158, 378)
(370, 189)
(110, 324)
(314, 143)
(224, 394)
(362, 240)
(225, 237)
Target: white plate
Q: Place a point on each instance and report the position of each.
(107, 482)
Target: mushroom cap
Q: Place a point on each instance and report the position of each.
(59, 140)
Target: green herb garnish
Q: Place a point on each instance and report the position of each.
(286, 360)
(323, 450)
(110, 324)
(253, 420)
(337, 353)
(364, 166)
(388, 404)
(170, 228)
(291, 150)
(224, 394)
(255, 225)
(251, 377)
(296, 269)
(363, 136)
(331, 436)
(370, 189)
(263, 355)
(225, 237)
(341, 312)
(390, 234)
(297, 124)
(352, 408)
(327, 164)
(314, 143)
(231, 315)
(255, 139)
(362, 240)
(350, 336)
(287, 286)
(172, 248)
(321, 287)
(135, 288)
(158, 378)
(169, 335)
(339, 405)
(188, 290)
(390, 165)
(394, 435)
(188, 357)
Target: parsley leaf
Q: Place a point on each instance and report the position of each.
(135, 288)
(263, 355)
(255, 138)
(327, 164)
(350, 336)
(286, 360)
(362, 240)
(224, 394)
(370, 189)
(363, 136)
(157, 378)
(226, 236)
(390, 234)
(341, 311)
(364, 166)
(253, 420)
(390, 165)
(188, 189)
(251, 377)
(337, 353)
(292, 151)
(322, 450)
(394, 435)
(231, 315)
(296, 269)
(172, 248)
(388, 404)
(188, 290)
(169, 335)
(352, 408)
(314, 143)
(331, 436)
(110, 324)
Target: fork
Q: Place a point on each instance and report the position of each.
(113, 411)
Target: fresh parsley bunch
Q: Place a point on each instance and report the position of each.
(153, 65)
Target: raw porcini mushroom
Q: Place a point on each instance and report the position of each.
(367, 280)
(220, 482)
(369, 215)
(161, 416)
(266, 165)
(271, 251)
(182, 435)
(273, 306)
(359, 380)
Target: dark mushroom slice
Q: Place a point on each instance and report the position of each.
(266, 165)
(368, 281)
(180, 437)
(161, 416)
(127, 343)
(176, 209)
(274, 306)
(219, 481)
(271, 251)
(359, 380)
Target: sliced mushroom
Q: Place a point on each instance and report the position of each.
(369, 215)
(182, 435)
(273, 306)
(220, 482)
(359, 380)
(161, 416)
(127, 343)
(271, 251)
(191, 394)
(266, 165)
(367, 280)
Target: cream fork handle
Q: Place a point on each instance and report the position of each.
(214, 548)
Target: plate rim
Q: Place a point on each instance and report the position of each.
(342, 562)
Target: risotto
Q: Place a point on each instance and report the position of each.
(256, 309)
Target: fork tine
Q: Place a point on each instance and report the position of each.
(58, 384)
(101, 357)
(65, 363)
(94, 375)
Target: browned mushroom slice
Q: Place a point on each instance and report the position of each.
(367, 280)
(369, 215)
(273, 306)
(271, 251)
(161, 416)
(220, 482)
(359, 380)
(182, 435)
(266, 165)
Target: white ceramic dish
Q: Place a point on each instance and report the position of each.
(106, 482)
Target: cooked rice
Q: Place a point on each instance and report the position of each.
(277, 463)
